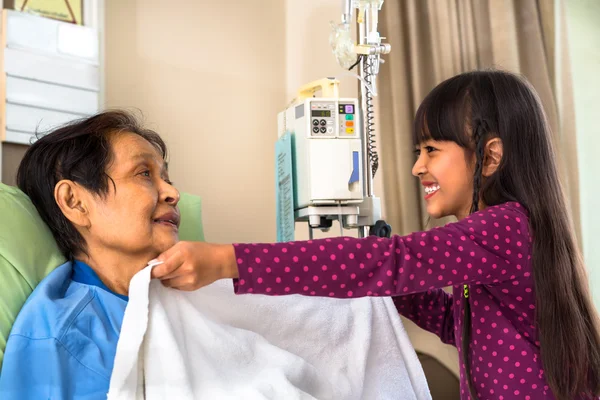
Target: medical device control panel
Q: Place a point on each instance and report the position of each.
(332, 119)
(327, 151)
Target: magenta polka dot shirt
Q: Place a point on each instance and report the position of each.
(489, 251)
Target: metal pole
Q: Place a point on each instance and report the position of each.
(363, 28)
(347, 14)
(368, 171)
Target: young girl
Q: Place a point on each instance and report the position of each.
(520, 313)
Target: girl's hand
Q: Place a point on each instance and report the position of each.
(192, 265)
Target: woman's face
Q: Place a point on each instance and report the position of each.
(138, 217)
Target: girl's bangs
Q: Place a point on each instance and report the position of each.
(444, 115)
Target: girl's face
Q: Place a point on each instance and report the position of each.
(446, 172)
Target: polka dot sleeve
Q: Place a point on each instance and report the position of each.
(487, 247)
(432, 310)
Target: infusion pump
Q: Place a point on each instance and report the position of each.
(327, 157)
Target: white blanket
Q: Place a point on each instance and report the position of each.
(213, 344)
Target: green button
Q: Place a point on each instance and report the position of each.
(349, 117)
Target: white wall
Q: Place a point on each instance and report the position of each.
(307, 53)
(209, 77)
(583, 18)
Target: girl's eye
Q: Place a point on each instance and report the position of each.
(429, 149)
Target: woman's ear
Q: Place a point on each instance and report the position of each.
(71, 200)
(492, 155)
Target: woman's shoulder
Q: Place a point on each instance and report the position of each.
(52, 306)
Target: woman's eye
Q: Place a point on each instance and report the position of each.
(430, 149)
(417, 152)
(145, 173)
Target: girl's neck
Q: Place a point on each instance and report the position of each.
(467, 211)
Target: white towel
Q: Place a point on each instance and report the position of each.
(213, 344)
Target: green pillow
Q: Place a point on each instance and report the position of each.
(190, 228)
(28, 251)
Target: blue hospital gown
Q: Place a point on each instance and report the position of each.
(63, 343)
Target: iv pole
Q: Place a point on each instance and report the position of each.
(368, 51)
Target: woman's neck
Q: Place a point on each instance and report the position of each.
(115, 270)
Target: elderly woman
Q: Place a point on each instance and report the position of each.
(102, 186)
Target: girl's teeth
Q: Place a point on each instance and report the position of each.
(431, 189)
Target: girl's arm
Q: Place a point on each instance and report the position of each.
(490, 246)
(431, 310)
